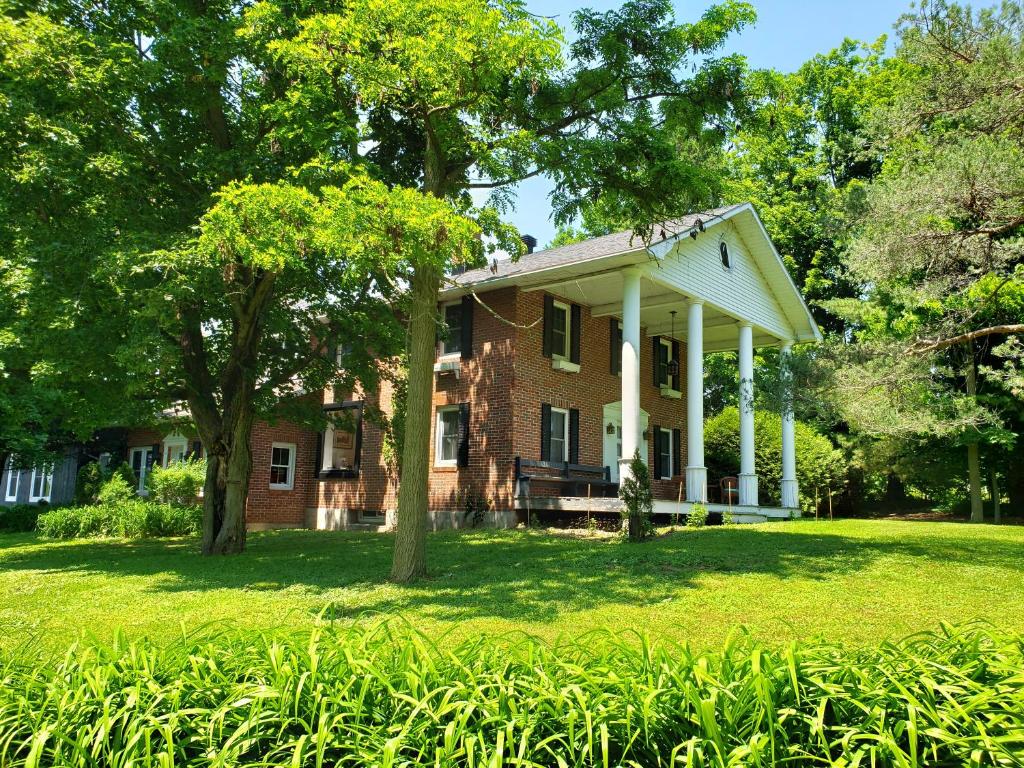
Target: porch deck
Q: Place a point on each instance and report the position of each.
(662, 508)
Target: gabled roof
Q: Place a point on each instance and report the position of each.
(602, 247)
(788, 316)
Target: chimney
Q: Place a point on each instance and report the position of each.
(530, 242)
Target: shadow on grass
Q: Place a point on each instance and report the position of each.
(506, 574)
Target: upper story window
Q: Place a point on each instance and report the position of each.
(723, 251)
(282, 466)
(451, 339)
(561, 327)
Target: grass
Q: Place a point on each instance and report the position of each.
(384, 696)
(856, 582)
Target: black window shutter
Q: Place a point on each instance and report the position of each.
(574, 331)
(197, 449)
(318, 456)
(657, 452)
(463, 458)
(545, 432)
(467, 327)
(677, 453)
(656, 347)
(574, 436)
(675, 356)
(549, 321)
(154, 456)
(615, 336)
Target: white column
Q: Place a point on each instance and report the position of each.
(748, 476)
(790, 489)
(327, 460)
(696, 472)
(630, 368)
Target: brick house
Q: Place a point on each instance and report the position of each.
(552, 369)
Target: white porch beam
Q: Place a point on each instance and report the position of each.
(790, 489)
(696, 472)
(748, 473)
(630, 368)
(651, 302)
(716, 322)
(571, 281)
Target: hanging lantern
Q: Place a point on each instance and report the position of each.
(673, 364)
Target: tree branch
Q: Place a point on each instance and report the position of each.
(923, 346)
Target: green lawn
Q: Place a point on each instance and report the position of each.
(856, 581)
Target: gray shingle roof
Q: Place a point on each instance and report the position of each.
(595, 248)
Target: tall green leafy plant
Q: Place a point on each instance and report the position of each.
(637, 499)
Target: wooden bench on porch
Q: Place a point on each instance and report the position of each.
(572, 479)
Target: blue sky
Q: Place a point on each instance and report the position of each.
(787, 33)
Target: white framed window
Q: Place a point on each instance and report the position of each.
(664, 358)
(282, 466)
(559, 434)
(42, 483)
(11, 481)
(561, 330)
(451, 342)
(446, 437)
(175, 449)
(138, 458)
(665, 449)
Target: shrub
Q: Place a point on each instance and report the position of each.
(116, 490)
(385, 696)
(131, 519)
(697, 517)
(20, 518)
(818, 463)
(179, 483)
(637, 499)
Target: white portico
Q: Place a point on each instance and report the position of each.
(712, 282)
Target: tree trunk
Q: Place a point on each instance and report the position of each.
(973, 462)
(228, 469)
(997, 513)
(410, 556)
(1015, 479)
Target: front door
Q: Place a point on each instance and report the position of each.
(612, 425)
(138, 461)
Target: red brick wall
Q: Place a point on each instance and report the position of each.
(589, 390)
(268, 506)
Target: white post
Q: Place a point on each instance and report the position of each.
(696, 472)
(327, 460)
(748, 476)
(630, 369)
(790, 489)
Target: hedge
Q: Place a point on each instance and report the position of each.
(818, 463)
(380, 696)
(128, 518)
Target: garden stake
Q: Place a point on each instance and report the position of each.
(829, 502)
(815, 502)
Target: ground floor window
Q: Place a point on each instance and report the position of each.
(342, 440)
(446, 449)
(559, 434)
(11, 481)
(282, 466)
(665, 459)
(42, 484)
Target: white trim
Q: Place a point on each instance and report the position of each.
(175, 440)
(443, 353)
(290, 447)
(561, 305)
(439, 435)
(671, 454)
(11, 472)
(565, 434)
(140, 488)
(47, 477)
